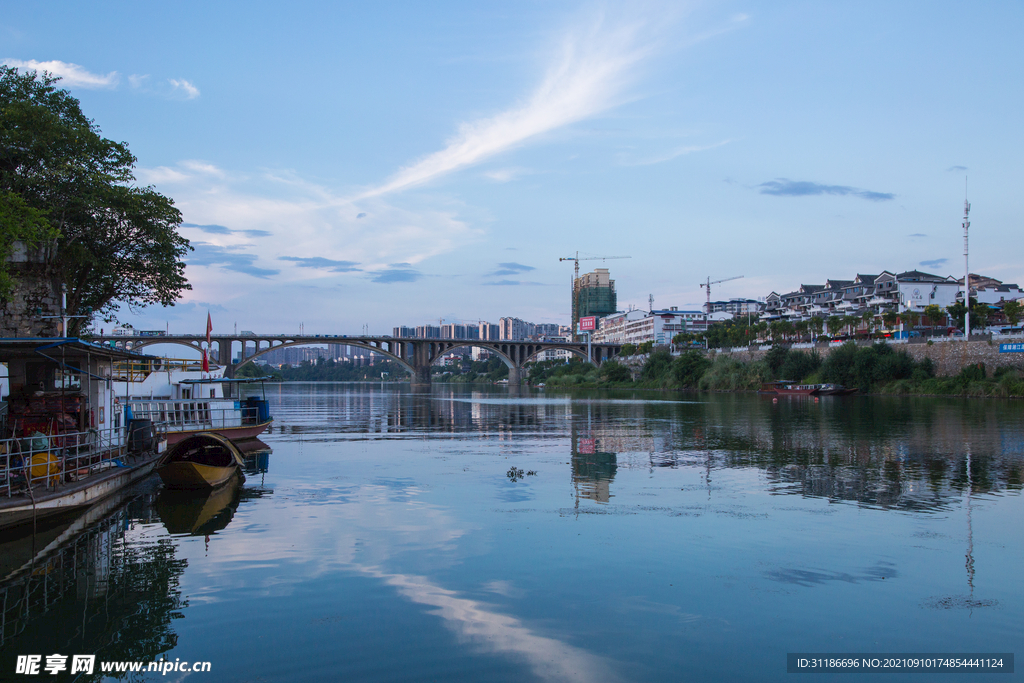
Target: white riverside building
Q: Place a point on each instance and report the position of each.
(637, 327)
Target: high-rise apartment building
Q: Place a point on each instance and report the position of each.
(594, 294)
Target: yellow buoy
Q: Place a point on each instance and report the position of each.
(43, 464)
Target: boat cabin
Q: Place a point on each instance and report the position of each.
(59, 386)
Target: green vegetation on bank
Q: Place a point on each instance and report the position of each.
(490, 370)
(328, 370)
(879, 368)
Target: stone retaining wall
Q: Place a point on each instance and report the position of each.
(949, 357)
(36, 294)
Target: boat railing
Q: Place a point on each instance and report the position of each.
(189, 415)
(48, 461)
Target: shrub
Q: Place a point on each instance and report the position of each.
(612, 371)
(973, 373)
(689, 368)
(657, 366)
(776, 357)
(628, 349)
(798, 365)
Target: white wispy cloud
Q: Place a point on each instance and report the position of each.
(161, 175)
(503, 175)
(190, 91)
(72, 75)
(588, 75)
(303, 220)
(673, 153)
(203, 167)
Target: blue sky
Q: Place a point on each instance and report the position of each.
(351, 164)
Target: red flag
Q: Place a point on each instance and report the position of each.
(209, 329)
(206, 363)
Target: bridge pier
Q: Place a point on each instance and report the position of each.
(515, 376)
(421, 379)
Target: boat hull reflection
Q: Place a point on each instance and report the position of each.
(199, 513)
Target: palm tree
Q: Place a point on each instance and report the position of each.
(868, 317)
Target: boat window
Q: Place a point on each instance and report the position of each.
(213, 392)
(186, 392)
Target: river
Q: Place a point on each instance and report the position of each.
(473, 534)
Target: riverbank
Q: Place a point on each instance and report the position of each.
(875, 369)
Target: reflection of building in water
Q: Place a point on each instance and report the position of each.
(903, 453)
(592, 474)
(106, 590)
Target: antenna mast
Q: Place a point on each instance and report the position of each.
(967, 270)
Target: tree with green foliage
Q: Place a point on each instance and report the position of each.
(935, 315)
(118, 243)
(657, 366)
(979, 314)
(864, 367)
(689, 367)
(254, 370)
(612, 371)
(1013, 312)
(867, 317)
(798, 365)
(775, 357)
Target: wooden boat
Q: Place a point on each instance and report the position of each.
(797, 389)
(200, 461)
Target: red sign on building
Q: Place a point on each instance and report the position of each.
(587, 324)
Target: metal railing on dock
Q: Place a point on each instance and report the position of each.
(49, 461)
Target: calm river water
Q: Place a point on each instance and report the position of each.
(476, 535)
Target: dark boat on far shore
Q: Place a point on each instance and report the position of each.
(834, 390)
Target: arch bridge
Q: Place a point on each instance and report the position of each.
(416, 355)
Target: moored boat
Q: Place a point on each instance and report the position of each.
(796, 389)
(185, 400)
(64, 443)
(200, 461)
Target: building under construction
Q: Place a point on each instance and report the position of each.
(594, 294)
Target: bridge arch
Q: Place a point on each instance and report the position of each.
(369, 347)
(506, 350)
